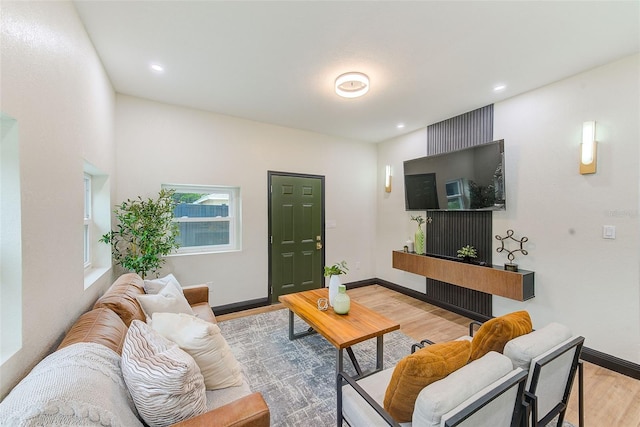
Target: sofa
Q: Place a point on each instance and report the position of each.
(91, 378)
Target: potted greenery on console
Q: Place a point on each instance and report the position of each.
(467, 253)
(145, 233)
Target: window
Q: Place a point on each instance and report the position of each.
(97, 221)
(208, 217)
(11, 247)
(454, 194)
(87, 220)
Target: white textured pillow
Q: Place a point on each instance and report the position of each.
(164, 381)
(204, 342)
(168, 300)
(156, 285)
(525, 347)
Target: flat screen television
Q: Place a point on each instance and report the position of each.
(467, 179)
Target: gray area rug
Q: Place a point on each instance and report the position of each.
(297, 378)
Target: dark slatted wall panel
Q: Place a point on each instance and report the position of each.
(450, 230)
(465, 130)
(447, 233)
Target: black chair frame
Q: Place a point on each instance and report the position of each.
(343, 376)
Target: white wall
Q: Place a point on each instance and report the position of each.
(394, 225)
(582, 280)
(54, 85)
(590, 284)
(159, 143)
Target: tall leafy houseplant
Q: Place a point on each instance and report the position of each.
(145, 233)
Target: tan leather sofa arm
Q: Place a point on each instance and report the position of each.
(249, 411)
(196, 294)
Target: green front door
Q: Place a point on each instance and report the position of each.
(296, 217)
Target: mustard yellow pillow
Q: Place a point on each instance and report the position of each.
(494, 334)
(418, 370)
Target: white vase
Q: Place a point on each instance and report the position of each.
(334, 282)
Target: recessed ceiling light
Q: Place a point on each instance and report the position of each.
(157, 68)
(499, 88)
(400, 125)
(352, 85)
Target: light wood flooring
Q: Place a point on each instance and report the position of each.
(611, 399)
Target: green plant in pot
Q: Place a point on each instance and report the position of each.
(145, 233)
(467, 253)
(333, 273)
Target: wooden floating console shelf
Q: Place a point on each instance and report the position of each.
(491, 280)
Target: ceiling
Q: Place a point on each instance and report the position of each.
(276, 62)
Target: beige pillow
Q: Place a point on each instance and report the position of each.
(164, 381)
(418, 370)
(168, 300)
(526, 347)
(156, 285)
(204, 342)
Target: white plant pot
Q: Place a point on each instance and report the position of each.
(334, 282)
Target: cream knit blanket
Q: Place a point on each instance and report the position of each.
(79, 385)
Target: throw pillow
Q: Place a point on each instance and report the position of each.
(165, 382)
(416, 371)
(437, 399)
(495, 333)
(156, 285)
(168, 300)
(523, 349)
(204, 342)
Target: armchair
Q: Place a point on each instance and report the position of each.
(551, 356)
(551, 372)
(486, 392)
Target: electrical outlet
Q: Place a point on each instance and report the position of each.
(608, 231)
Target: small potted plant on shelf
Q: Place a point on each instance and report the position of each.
(467, 253)
(333, 273)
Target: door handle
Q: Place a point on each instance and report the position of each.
(318, 245)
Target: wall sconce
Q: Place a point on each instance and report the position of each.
(387, 179)
(588, 155)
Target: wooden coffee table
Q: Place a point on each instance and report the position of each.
(342, 331)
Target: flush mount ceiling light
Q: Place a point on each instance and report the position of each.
(352, 85)
(156, 68)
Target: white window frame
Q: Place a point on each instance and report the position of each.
(88, 221)
(234, 218)
(11, 265)
(97, 221)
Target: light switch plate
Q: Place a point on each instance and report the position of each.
(608, 231)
